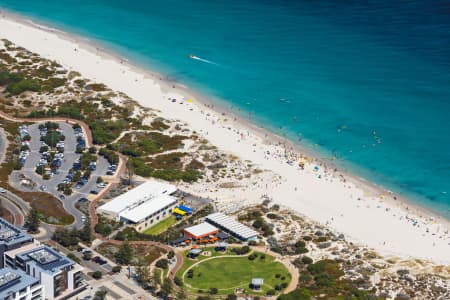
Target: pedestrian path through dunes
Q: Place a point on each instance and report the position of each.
(227, 272)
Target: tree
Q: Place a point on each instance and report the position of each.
(162, 263)
(130, 171)
(144, 274)
(85, 233)
(125, 254)
(32, 223)
(178, 281)
(66, 237)
(73, 257)
(97, 275)
(181, 294)
(100, 295)
(166, 287)
(40, 169)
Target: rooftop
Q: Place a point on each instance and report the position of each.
(196, 251)
(151, 206)
(10, 234)
(46, 259)
(137, 196)
(257, 281)
(12, 281)
(201, 229)
(231, 225)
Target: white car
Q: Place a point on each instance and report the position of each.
(2, 190)
(101, 185)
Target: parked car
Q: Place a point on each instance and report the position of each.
(94, 192)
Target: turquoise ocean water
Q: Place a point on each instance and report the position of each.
(366, 81)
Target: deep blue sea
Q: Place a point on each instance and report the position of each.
(365, 81)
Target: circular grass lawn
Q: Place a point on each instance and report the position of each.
(228, 273)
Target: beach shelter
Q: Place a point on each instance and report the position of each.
(257, 283)
(178, 211)
(184, 208)
(193, 253)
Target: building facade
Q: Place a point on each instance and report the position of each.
(11, 237)
(143, 206)
(58, 274)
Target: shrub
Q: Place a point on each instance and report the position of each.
(301, 250)
(17, 88)
(213, 291)
(299, 244)
(116, 269)
(162, 263)
(307, 260)
(322, 239)
(241, 251)
(97, 275)
(307, 238)
(178, 281)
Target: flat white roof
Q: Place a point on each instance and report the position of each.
(138, 213)
(201, 229)
(232, 225)
(137, 196)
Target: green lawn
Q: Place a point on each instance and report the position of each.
(161, 226)
(227, 273)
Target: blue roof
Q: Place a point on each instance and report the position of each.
(46, 259)
(12, 235)
(12, 281)
(185, 208)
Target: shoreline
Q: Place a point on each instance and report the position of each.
(206, 107)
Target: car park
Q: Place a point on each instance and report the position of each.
(99, 260)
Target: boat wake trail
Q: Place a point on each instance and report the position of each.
(202, 60)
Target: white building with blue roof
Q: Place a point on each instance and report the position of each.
(11, 237)
(16, 285)
(58, 274)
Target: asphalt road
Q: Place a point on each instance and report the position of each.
(69, 158)
(18, 206)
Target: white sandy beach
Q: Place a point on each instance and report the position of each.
(349, 207)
